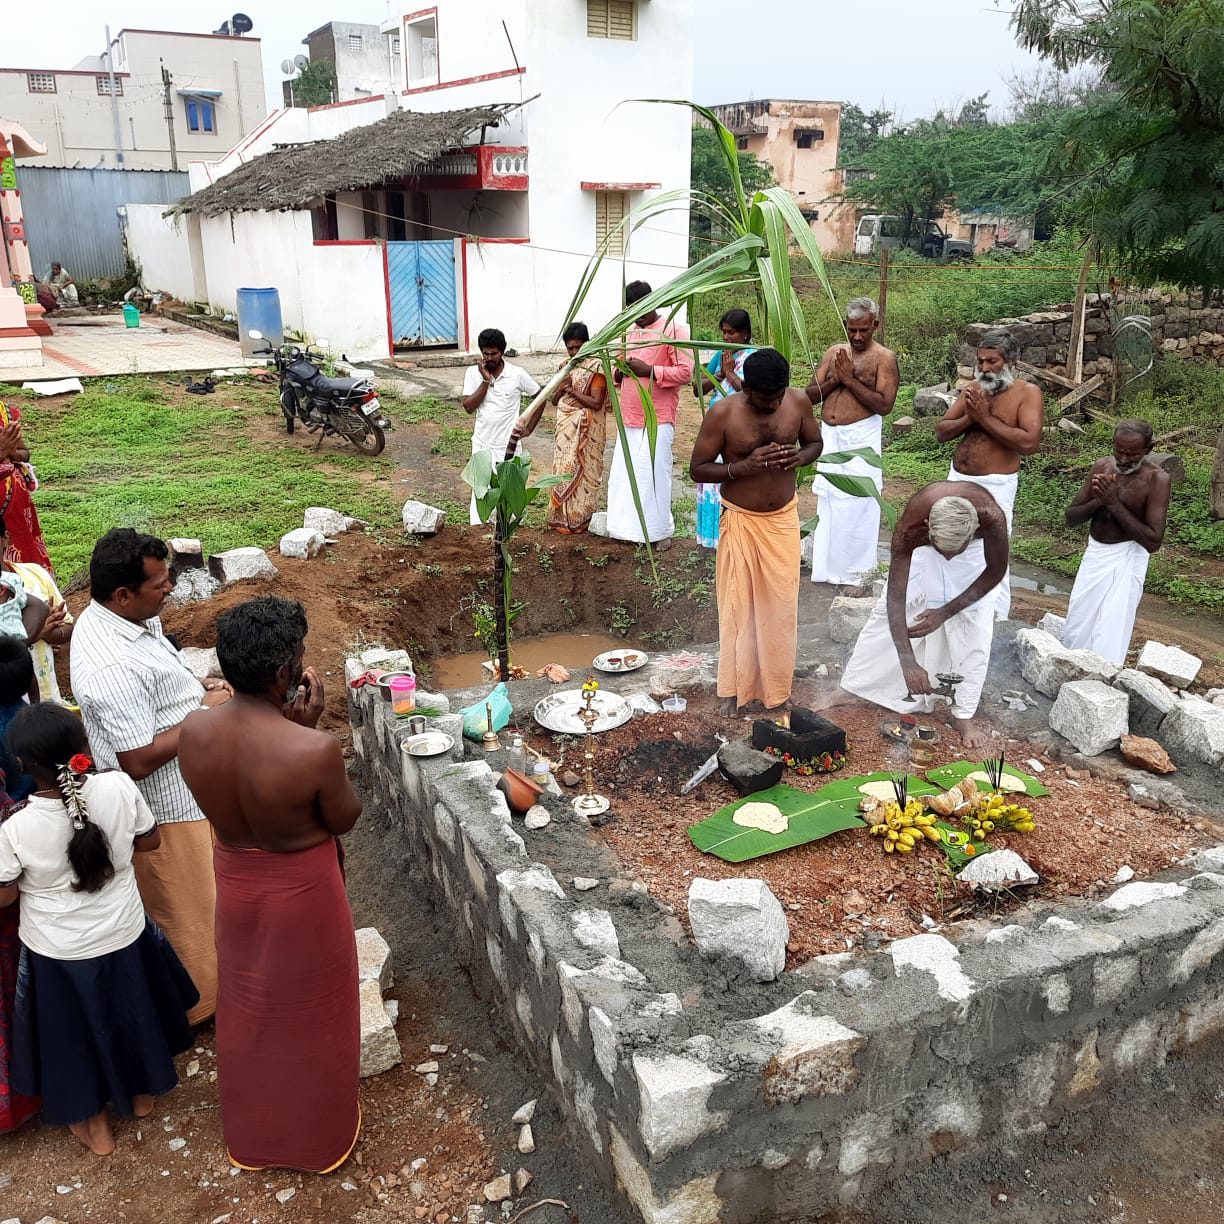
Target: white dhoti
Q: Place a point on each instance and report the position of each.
(845, 542)
(1105, 597)
(654, 487)
(960, 645)
(1002, 487)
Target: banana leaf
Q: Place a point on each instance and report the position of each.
(813, 815)
(811, 818)
(953, 841)
(947, 776)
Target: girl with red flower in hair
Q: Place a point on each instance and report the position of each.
(102, 1000)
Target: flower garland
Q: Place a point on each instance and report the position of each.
(826, 762)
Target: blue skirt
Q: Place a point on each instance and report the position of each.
(88, 1033)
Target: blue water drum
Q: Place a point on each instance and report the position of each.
(259, 310)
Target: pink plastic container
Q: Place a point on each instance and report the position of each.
(403, 694)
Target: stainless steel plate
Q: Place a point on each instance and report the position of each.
(559, 712)
(620, 660)
(427, 744)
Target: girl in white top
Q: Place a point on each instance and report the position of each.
(101, 997)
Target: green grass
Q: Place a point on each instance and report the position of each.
(188, 466)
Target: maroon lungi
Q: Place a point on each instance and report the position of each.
(288, 1017)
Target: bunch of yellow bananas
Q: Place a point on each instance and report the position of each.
(995, 814)
(903, 828)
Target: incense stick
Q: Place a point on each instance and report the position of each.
(900, 784)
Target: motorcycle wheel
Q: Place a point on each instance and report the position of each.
(288, 405)
(363, 434)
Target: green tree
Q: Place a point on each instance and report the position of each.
(315, 85)
(930, 164)
(975, 112)
(859, 132)
(711, 178)
(1141, 165)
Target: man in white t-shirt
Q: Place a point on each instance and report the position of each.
(493, 390)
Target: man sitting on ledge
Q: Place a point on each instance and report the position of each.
(933, 616)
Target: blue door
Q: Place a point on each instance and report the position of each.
(421, 287)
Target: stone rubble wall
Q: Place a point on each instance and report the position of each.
(731, 1107)
(1178, 327)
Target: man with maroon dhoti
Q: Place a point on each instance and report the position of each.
(277, 796)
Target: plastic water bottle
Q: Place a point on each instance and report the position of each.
(517, 757)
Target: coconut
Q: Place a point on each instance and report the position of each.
(1008, 785)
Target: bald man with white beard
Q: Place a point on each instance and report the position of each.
(998, 419)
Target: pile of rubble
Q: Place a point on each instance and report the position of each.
(1145, 710)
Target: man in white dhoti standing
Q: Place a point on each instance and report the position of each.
(1127, 498)
(936, 615)
(998, 419)
(856, 387)
(656, 362)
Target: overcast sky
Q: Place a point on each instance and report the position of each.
(905, 55)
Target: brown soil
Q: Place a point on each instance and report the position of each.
(374, 591)
(1086, 829)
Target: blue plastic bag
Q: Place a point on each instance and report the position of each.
(476, 717)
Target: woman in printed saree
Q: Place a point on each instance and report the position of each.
(736, 328)
(17, 482)
(578, 438)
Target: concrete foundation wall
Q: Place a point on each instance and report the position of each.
(736, 1101)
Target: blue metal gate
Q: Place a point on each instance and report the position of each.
(421, 288)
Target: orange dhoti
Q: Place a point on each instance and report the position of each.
(180, 894)
(758, 603)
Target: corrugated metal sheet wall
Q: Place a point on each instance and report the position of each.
(71, 216)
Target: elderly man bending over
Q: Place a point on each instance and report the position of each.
(933, 616)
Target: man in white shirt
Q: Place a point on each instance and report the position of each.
(135, 690)
(493, 390)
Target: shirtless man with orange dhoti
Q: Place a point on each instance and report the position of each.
(764, 434)
(998, 419)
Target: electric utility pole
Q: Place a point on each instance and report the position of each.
(167, 81)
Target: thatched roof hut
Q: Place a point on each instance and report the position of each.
(292, 176)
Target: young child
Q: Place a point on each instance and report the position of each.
(102, 999)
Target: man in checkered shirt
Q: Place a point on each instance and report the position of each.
(134, 690)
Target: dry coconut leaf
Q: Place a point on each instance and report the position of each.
(764, 816)
(1007, 786)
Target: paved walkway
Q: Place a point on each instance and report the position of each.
(109, 348)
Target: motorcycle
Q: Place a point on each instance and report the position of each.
(339, 407)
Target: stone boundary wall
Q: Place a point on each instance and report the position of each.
(1193, 331)
(743, 1101)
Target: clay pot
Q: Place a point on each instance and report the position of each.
(521, 792)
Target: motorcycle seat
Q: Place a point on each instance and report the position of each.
(343, 385)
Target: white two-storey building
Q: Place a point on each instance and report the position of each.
(481, 207)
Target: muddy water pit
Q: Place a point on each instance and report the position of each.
(843, 892)
(573, 651)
